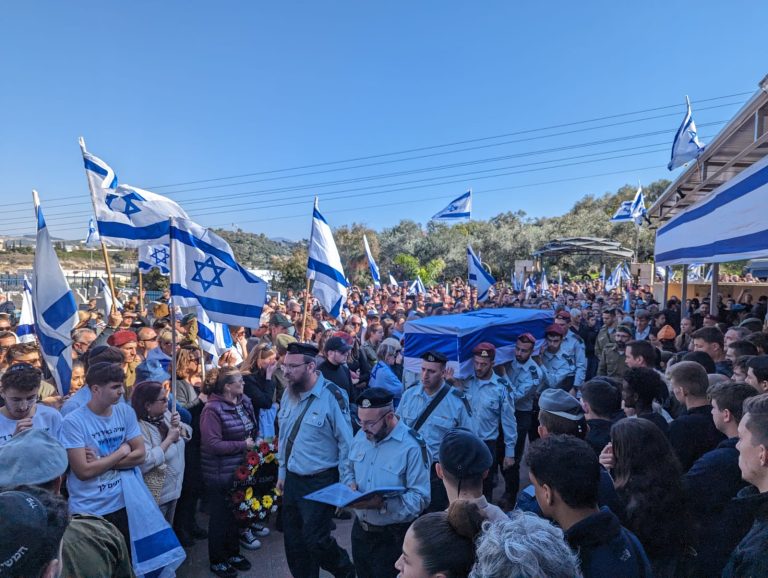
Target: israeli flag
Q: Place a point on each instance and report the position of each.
(324, 267)
(459, 209)
(530, 286)
(417, 287)
(205, 273)
(372, 264)
(627, 303)
(638, 210)
(544, 282)
(54, 306)
(155, 257)
(110, 301)
(93, 235)
(623, 213)
(626, 274)
(214, 337)
(392, 280)
(516, 282)
(25, 330)
(126, 216)
(686, 146)
(602, 274)
(478, 276)
(708, 276)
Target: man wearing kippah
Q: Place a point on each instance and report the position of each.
(385, 452)
(492, 401)
(433, 408)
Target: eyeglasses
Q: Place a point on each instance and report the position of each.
(292, 366)
(370, 424)
(150, 339)
(5, 328)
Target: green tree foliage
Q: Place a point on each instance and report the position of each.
(291, 271)
(255, 250)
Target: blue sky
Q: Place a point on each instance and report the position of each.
(175, 92)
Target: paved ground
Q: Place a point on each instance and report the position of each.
(269, 561)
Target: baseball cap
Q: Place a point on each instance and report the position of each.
(337, 344)
(278, 319)
(21, 468)
(463, 454)
(23, 533)
(560, 403)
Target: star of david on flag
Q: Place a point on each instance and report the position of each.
(154, 257)
(686, 146)
(126, 216)
(206, 274)
(459, 209)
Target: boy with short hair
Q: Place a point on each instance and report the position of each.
(20, 388)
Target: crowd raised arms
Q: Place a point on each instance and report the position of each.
(621, 437)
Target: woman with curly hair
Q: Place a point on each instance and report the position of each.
(647, 477)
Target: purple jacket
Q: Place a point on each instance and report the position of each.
(223, 436)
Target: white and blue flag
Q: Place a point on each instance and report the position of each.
(372, 264)
(110, 301)
(54, 306)
(392, 280)
(25, 330)
(93, 235)
(686, 146)
(516, 282)
(214, 338)
(417, 287)
(530, 286)
(459, 209)
(623, 213)
(478, 276)
(602, 274)
(324, 267)
(126, 216)
(205, 273)
(155, 257)
(544, 282)
(638, 211)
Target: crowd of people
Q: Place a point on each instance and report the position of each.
(641, 428)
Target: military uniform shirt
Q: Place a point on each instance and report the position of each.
(612, 362)
(397, 460)
(557, 366)
(574, 345)
(526, 379)
(604, 338)
(450, 413)
(324, 436)
(492, 401)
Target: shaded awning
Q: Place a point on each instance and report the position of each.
(583, 246)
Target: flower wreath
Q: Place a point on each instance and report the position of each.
(253, 495)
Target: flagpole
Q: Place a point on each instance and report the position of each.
(103, 245)
(173, 318)
(141, 293)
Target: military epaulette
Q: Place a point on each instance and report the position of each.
(534, 372)
(422, 444)
(578, 337)
(460, 394)
(504, 383)
(337, 393)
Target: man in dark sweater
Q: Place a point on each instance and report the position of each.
(565, 474)
(601, 401)
(335, 369)
(715, 479)
(693, 433)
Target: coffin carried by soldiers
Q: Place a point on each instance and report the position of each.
(455, 336)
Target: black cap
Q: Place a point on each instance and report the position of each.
(23, 531)
(375, 397)
(462, 454)
(435, 357)
(303, 349)
(337, 344)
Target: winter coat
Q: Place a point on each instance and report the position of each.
(222, 438)
(750, 558)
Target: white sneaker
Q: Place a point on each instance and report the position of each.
(260, 531)
(249, 541)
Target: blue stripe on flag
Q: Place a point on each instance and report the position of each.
(192, 241)
(327, 270)
(126, 231)
(217, 305)
(736, 191)
(60, 311)
(22, 330)
(744, 244)
(316, 215)
(99, 170)
(455, 216)
(155, 545)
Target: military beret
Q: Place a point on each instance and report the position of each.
(485, 350)
(560, 403)
(563, 315)
(624, 329)
(435, 357)
(284, 340)
(120, 338)
(527, 338)
(375, 397)
(464, 454)
(23, 461)
(556, 329)
(303, 349)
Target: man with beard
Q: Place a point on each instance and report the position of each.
(314, 451)
(385, 452)
(613, 358)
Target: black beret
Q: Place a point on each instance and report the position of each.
(463, 454)
(435, 357)
(303, 349)
(374, 397)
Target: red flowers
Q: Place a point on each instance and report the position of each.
(264, 448)
(237, 497)
(242, 473)
(253, 459)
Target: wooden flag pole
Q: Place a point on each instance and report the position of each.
(109, 276)
(306, 312)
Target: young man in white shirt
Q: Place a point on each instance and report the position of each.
(20, 389)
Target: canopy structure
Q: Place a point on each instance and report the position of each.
(583, 246)
(455, 336)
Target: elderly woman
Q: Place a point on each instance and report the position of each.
(164, 440)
